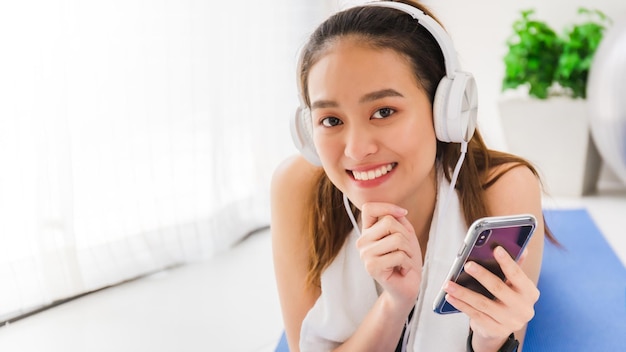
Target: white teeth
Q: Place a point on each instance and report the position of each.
(372, 174)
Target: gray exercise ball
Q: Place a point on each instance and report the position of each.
(606, 98)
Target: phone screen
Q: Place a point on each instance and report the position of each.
(512, 239)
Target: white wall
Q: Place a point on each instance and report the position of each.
(479, 29)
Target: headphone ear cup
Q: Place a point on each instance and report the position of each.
(302, 135)
(439, 109)
(455, 108)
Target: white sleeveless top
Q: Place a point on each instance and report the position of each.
(348, 292)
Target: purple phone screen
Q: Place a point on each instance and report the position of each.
(512, 239)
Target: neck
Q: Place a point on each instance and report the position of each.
(422, 209)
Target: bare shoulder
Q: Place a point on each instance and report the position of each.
(516, 190)
(294, 171)
(292, 184)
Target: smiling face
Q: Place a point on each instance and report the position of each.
(372, 124)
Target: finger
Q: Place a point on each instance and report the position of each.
(372, 211)
(517, 278)
(383, 267)
(522, 257)
(390, 243)
(487, 278)
(476, 300)
(479, 315)
(480, 322)
(406, 223)
(385, 226)
(512, 271)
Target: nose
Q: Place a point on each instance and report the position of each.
(360, 142)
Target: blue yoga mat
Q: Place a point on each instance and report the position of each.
(583, 291)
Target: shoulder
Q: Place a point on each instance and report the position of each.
(515, 189)
(292, 185)
(297, 165)
(294, 177)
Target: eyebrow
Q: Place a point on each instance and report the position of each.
(379, 94)
(321, 104)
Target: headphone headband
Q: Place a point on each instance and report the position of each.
(433, 27)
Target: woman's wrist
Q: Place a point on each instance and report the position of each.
(509, 344)
(395, 307)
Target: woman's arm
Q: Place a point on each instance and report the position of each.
(517, 191)
(292, 183)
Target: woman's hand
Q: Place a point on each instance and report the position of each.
(492, 321)
(391, 252)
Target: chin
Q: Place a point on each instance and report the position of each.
(359, 199)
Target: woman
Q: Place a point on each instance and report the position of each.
(373, 86)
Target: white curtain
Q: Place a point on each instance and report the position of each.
(136, 135)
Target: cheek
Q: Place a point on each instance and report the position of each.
(328, 149)
(419, 138)
(322, 146)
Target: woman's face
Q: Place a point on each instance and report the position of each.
(372, 124)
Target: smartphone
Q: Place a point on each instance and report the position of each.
(484, 235)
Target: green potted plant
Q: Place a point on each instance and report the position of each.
(548, 74)
(579, 46)
(533, 56)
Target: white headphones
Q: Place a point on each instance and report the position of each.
(456, 98)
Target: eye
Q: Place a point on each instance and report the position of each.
(383, 113)
(331, 121)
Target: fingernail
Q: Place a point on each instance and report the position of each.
(499, 252)
(470, 267)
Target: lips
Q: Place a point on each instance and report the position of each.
(372, 174)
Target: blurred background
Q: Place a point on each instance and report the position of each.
(136, 135)
(139, 135)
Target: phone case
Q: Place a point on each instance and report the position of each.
(484, 235)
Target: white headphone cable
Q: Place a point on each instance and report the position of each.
(455, 176)
(346, 204)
